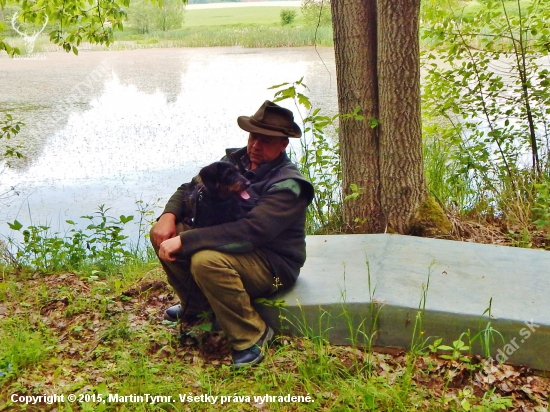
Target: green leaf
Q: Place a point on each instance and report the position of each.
(540, 223)
(354, 195)
(369, 400)
(373, 122)
(278, 85)
(15, 225)
(304, 101)
(206, 327)
(126, 219)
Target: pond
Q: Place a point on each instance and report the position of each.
(114, 127)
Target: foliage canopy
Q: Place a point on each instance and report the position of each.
(71, 22)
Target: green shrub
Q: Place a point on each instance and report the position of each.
(318, 160)
(287, 16)
(102, 244)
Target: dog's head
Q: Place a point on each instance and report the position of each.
(223, 180)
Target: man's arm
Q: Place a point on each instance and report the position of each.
(177, 204)
(165, 228)
(174, 211)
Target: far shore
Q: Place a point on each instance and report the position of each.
(244, 4)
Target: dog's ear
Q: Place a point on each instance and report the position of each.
(209, 177)
(225, 170)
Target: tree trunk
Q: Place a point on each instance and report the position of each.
(400, 132)
(378, 68)
(354, 25)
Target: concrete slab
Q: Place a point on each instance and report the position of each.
(454, 282)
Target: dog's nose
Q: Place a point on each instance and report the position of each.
(246, 184)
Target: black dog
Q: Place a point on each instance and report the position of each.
(213, 197)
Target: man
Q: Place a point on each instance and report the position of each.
(223, 267)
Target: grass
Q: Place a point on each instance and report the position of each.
(244, 16)
(70, 333)
(98, 329)
(209, 36)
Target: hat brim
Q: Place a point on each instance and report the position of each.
(245, 124)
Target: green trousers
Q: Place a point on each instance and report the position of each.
(225, 283)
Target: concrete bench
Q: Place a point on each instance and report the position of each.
(332, 298)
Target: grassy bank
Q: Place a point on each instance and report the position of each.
(205, 36)
(93, 335)
(82, 314)
(234, 35)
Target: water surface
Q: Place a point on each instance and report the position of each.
(114, 127)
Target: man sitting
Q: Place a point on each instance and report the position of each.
(223, 267)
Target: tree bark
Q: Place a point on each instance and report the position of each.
(354, 23)
(400, 132)
(378, 68)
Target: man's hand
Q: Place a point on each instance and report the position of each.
(164, 229)
(169, 248)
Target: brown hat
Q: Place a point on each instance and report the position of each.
(271, 120)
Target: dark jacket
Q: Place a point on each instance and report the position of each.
(273, 222)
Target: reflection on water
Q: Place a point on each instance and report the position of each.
(141, 125)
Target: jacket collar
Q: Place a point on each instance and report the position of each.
(260, 172)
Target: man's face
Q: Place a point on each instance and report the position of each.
(264, 149)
